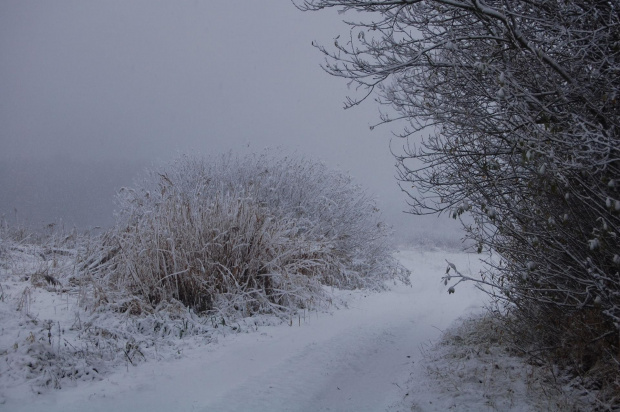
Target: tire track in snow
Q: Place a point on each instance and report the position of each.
(361, 366)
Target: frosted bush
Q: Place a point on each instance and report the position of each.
(252, 235)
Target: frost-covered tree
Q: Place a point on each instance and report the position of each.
(510, 114)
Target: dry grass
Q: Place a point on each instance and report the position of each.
(580, 345)
(247, 236)
(475, 364)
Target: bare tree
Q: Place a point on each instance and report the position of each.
(510, 114)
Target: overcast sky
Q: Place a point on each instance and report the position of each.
(115, 85)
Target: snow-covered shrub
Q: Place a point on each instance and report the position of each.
(514, 124)
(250, 235)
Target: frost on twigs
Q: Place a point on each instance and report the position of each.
(522, 122)
(258, 234)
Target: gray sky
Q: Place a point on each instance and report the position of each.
(91, 91)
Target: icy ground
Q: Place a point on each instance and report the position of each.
(379, 353)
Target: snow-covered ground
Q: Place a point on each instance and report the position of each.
(378, 352)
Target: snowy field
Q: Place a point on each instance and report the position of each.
(369, 352)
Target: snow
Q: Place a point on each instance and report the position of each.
(375, 352)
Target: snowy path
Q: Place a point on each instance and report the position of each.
(354, 360)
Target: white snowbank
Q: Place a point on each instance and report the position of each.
(372, 355)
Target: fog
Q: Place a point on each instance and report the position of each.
(91, 92)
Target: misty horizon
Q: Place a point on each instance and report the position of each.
(92, 93)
